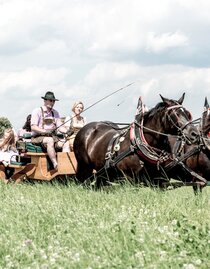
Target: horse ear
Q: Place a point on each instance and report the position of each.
(206, 104)
(180, 101)
(165, 100)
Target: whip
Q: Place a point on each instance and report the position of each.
(100, 100)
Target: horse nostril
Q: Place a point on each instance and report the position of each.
(194, 135)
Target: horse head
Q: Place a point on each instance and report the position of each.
(178, 120)
(154, 127)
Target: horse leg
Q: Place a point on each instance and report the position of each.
(84, 171)
(197, 189)
(106, 176)
(101, 177)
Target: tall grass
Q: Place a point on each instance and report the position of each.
(55, 226)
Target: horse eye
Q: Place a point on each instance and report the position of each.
(187, 114)
(190, 115)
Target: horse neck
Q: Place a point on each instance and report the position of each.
(154, 137)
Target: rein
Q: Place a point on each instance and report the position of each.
(153, 131)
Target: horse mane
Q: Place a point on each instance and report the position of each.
(158, 108)
(153, 111)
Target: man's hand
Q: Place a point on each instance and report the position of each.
(49, 133)
(69, 132)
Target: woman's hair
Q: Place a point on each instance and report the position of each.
(76, 104)
(9, 140)
(27, 125)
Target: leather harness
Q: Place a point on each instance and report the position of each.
(140, 147)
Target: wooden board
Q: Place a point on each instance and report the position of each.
(67, 165)
(39, 167)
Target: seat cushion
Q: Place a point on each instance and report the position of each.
(33, 148)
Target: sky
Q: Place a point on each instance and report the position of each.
(87, 49)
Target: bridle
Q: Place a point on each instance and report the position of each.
(151, 153)
(171, 113)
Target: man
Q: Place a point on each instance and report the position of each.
(44, 120)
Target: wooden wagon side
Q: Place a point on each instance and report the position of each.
(39, 167)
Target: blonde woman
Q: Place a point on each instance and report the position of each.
(75, 122)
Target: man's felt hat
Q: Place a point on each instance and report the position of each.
(49, 96)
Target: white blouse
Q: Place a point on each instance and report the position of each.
(72, 121)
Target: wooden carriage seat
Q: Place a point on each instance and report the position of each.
(39, 165)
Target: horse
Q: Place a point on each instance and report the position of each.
(193, 160)
(142, 146)
(199, 155)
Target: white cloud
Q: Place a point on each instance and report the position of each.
(159, 43)
(115, 71)
(31, 79)
(86, 49)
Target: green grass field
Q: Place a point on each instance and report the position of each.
(57, 226)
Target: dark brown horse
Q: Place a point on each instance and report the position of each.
(193, 160)
(199, 160)
(139, 150)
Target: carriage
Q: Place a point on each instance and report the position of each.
(33, 163)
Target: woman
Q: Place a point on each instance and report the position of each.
(25, 132)
(8, 151)
(75, 122)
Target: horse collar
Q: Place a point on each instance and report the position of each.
(143, 149)
(139, 143)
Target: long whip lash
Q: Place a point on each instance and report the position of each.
(109, 95)
(105, 97)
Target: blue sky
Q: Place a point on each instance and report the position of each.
(86, 49)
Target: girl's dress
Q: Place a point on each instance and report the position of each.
(74, 124)
(8, 151)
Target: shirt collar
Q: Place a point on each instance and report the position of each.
(46, 111)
